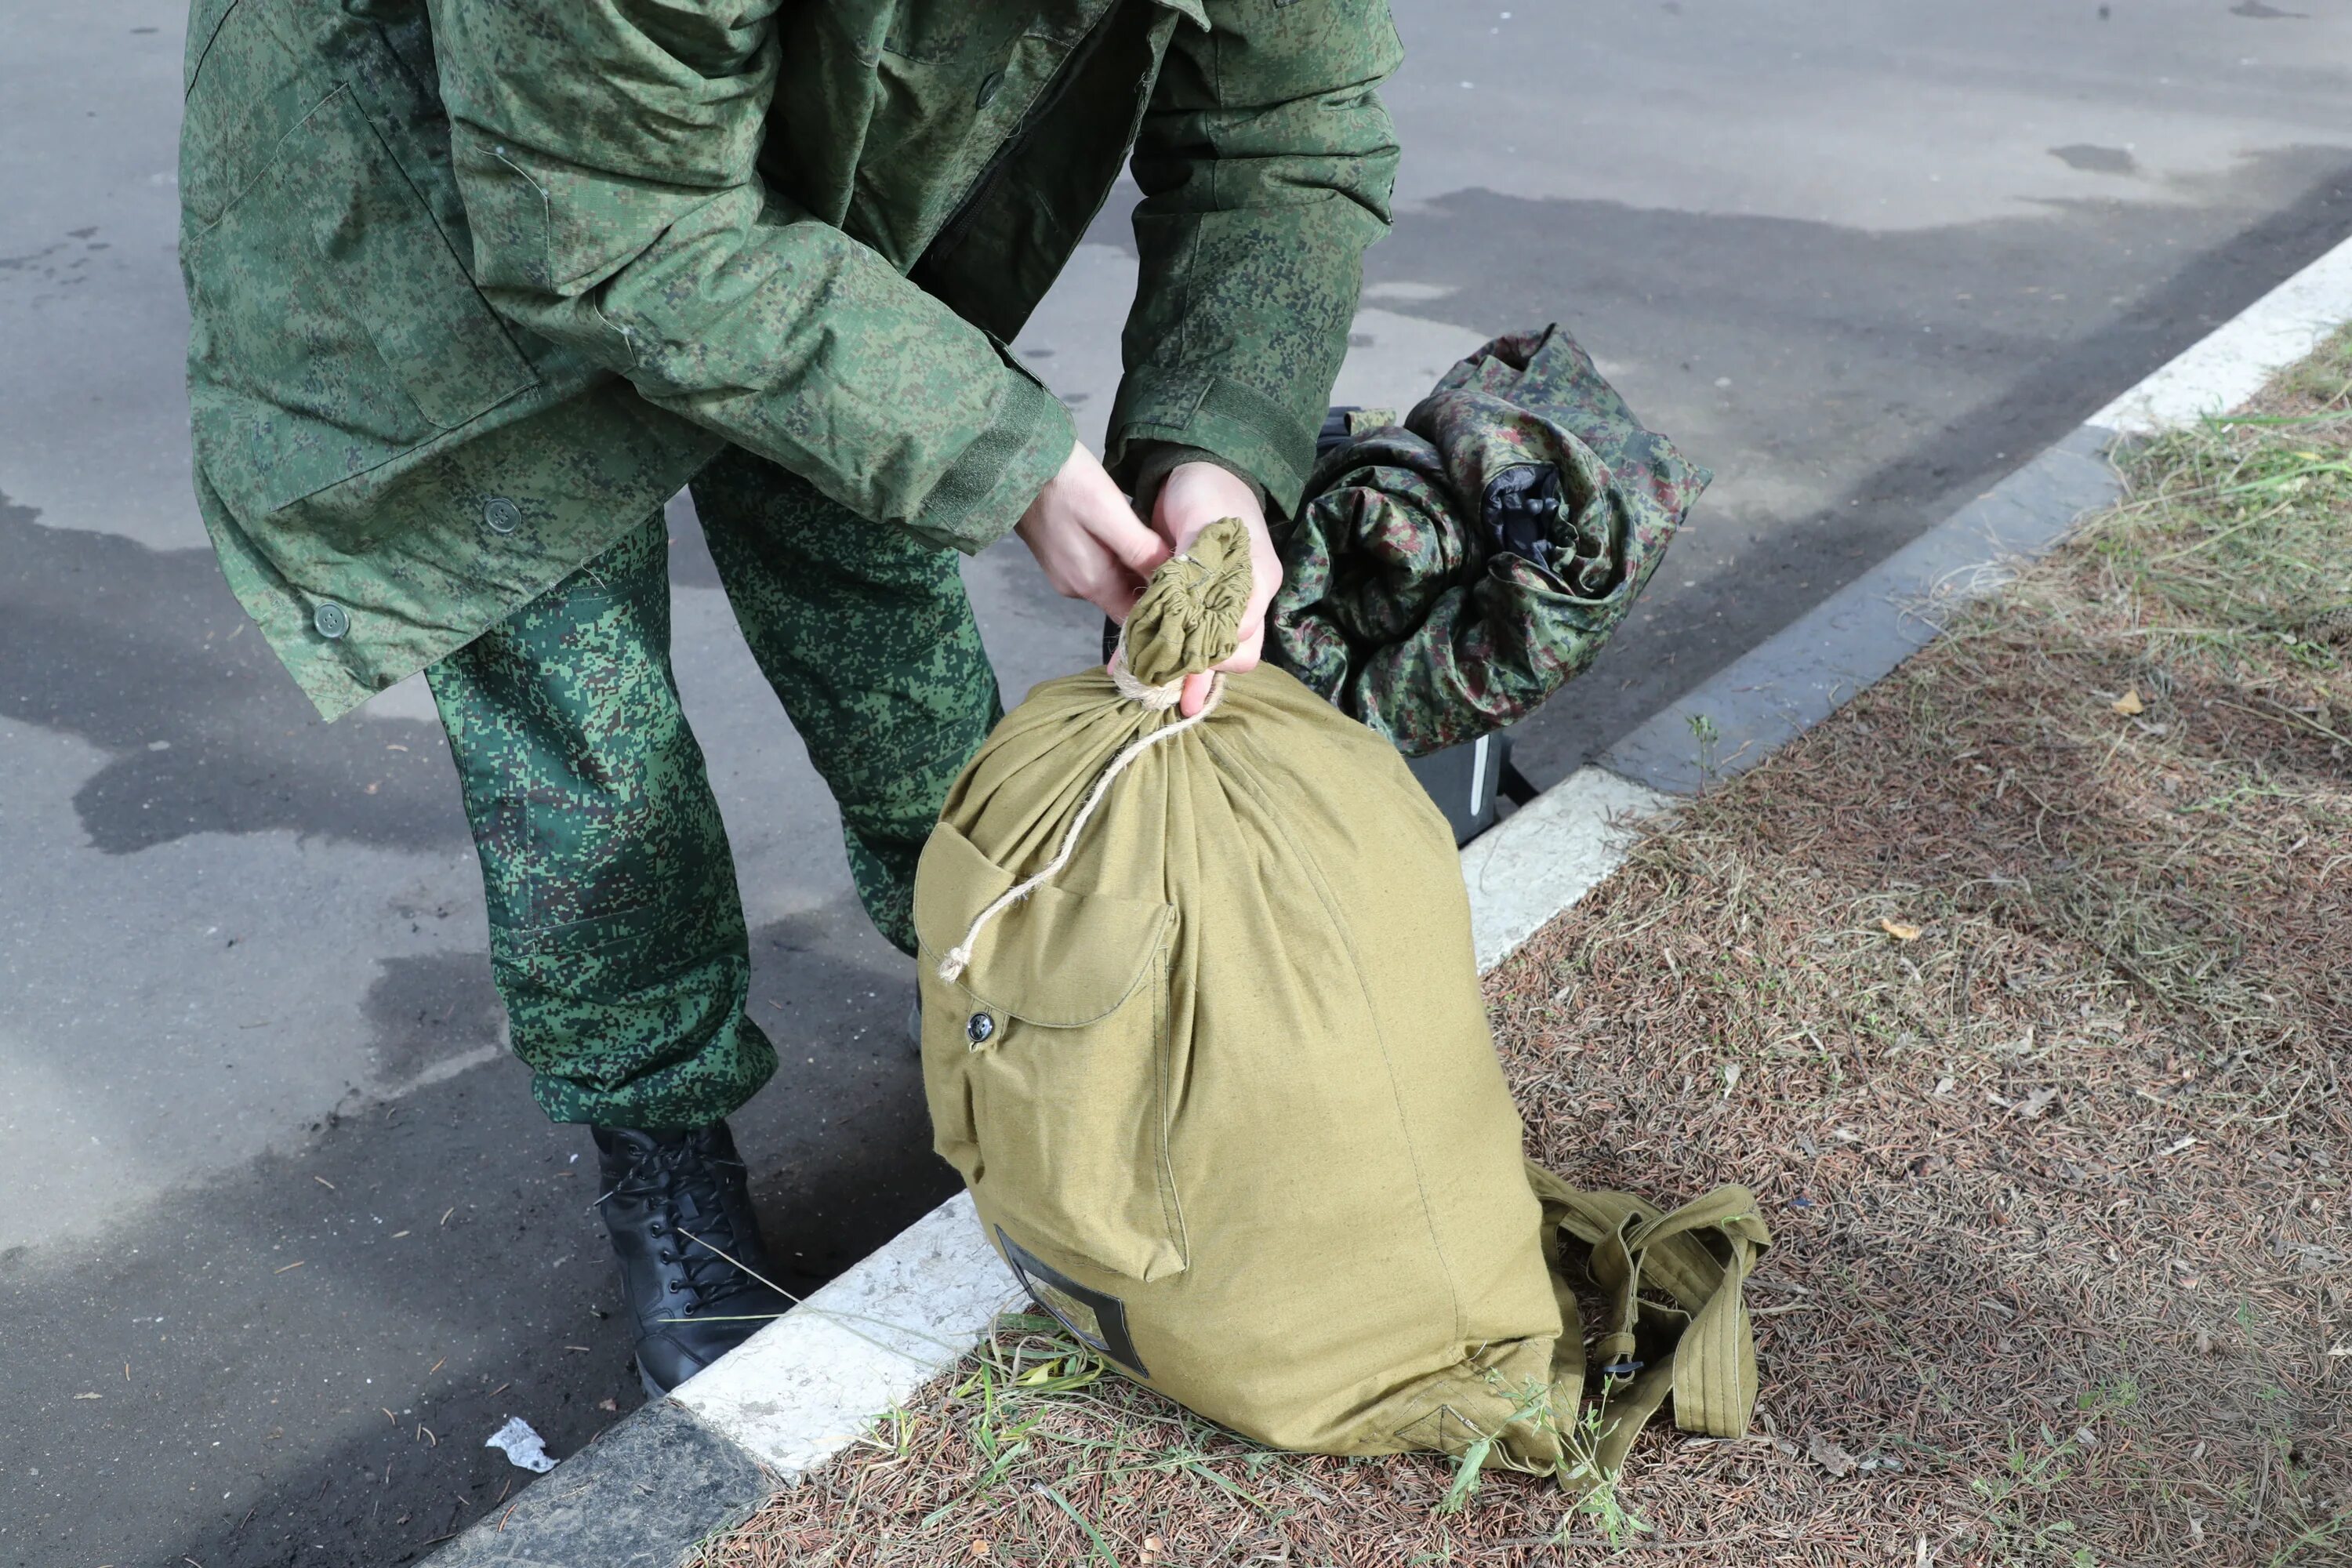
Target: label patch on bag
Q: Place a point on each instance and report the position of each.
(1098, 1321)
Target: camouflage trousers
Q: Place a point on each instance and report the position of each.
(618, 938)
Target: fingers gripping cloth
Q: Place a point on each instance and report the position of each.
(1189, 620)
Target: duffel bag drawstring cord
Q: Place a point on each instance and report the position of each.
(1159, 698)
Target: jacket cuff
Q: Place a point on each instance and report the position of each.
(1151, 462)
(994, 479)
(1237, 427)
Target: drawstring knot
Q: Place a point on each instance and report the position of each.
(1190, 618)
(1160, 699)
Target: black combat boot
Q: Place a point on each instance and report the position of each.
(662, 1191)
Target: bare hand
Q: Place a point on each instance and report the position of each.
(1196, 495)
(1086, 539)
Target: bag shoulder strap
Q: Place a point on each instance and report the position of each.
(1699, 1351)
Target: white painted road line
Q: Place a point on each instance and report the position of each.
(1547, 855)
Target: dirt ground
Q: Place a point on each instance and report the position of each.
(2021, 993)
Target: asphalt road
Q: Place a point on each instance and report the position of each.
(281, 1238)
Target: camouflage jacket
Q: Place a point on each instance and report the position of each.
(475, 284)
(1445, 577)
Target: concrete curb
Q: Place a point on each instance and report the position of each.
(1547, 855)
(811, 1382)
(1801, 674)
(809, 1385)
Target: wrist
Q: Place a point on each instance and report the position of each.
(1150, 465)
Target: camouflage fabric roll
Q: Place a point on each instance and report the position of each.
(1447, 575)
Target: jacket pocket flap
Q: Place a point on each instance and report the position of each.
(1057, 959)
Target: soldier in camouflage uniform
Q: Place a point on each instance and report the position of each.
(477, 284)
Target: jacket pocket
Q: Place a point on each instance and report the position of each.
(335, 328)
(1046, 1064)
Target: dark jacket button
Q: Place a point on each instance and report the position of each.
(978, 1027)
(330, 620)
(502, 515)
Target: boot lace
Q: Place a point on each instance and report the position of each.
(682, 1184)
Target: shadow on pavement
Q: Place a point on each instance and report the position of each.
(347, 1323)
(146, 654)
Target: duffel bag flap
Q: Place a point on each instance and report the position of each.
(1045, 1060)
(1068, 961)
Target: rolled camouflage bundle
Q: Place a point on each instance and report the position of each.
(1447, 575)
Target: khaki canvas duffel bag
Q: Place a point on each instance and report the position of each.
(1202, 1031)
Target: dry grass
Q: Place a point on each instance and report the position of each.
(2059, 1184)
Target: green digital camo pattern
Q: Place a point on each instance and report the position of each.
(617, 935)
(1395, 604)
(369, 434)
(475, 283)
(868, 638)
